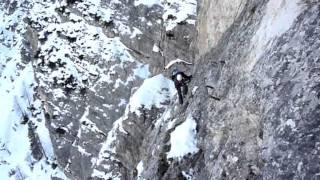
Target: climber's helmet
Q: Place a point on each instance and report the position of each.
(179, 77)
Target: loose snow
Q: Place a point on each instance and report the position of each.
(155, 48)
(154, 91)
(19, 160)
(175, 11)
(140, 170)
(17, 96)
(183, 140)
(148, 3)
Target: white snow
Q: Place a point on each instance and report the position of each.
(183, 140)
(153, 91)
(191, 21)
(188, 174)
(58, 93)
(16, 78)
(142, 71)
(86, 124)
(166, 115)
(194, 90)
(14, 140)
(170, 124)
(135, 32)
(108, 148)
(291, 123)
(149, 23)
(104, 175)
(181, 10)
(148, 3)
(155, 48)
(140, 170)
(175, 11)
(278, 18)
(82, 151)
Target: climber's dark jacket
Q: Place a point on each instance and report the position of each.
(181, 86)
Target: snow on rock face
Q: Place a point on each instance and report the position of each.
(26, 149)
(175, 11)
(10, 46)
(140, 169)
(79, 76)
(183, 140)
(15, 141)
(153, 91)
(148, 3)
(73, 54)
(88, 74)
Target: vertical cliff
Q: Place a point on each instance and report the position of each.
(264, 69)
(85, 93)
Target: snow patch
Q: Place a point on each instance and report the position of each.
(183, 140)
(188, 175)
(154, 91)
(142, 71)
(175, 11)
(103, 175)
(170, 124)
(194, 90)
(148, 3)
(140, 170)
(291, 123)
(15, 156)
(155, 48)
(164, 118)
(87, 125)
(135, 32)
(83, 151)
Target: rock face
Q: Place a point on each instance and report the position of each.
(264, 71)
(91, 99)
(214, 18)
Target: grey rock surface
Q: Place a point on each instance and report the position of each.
(265, 125)
(254, 96)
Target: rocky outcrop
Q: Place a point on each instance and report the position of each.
(89, 58)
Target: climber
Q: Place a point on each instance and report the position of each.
(180, 81)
